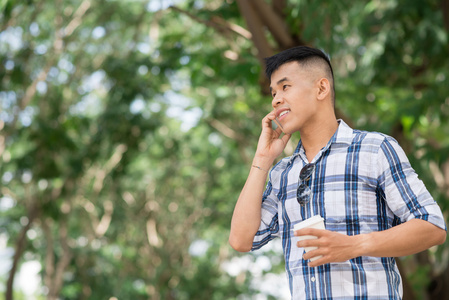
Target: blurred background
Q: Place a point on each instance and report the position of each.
(128, 129)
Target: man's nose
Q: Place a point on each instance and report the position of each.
(277, 100)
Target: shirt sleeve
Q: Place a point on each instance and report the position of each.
(405, 193)
(269, 225)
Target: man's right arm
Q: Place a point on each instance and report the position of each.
(247, 212)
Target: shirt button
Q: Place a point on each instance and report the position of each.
(313, 279)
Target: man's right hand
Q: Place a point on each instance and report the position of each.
(270, 146)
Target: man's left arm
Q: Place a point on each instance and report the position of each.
(422, 222)
(405, 239)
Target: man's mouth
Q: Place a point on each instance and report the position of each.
(283, 113)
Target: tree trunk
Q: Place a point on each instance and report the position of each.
(445, 10)
(408, 290)
(438, 288)
(20, 247)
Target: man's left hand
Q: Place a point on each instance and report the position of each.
(332, 246)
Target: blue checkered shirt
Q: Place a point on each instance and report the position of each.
(363, 182)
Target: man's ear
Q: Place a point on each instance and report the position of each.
(324, 89)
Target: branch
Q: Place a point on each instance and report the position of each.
(224, 129)
(152, 235)
(256, 28)
(274, 23)
(31, 89)
(109, 166)
(279, 7)
(105, 221)
(217, 22)
(232, 134)
(2, 139)
(232, 27)
(49, 257)
(63, 261)
(445, 9)
(54, 271)
(77, 18)
(20, 247)
(92, 215)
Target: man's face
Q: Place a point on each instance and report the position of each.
(294, 96)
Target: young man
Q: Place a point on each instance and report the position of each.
(374, 206)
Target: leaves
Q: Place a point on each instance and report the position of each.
(134, 124)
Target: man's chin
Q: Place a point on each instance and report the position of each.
(289, 130)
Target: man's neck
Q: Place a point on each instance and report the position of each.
(315, 137)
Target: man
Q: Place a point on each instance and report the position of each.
(374, 206)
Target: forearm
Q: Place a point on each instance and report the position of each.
(247, 212)
(405, 239)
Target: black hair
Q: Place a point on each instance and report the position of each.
(305, 56)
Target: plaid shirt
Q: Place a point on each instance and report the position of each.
(363, 182)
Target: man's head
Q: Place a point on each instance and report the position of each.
(313, 60)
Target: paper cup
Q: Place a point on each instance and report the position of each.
(313, 222)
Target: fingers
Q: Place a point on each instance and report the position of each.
(267, 124)
(332, 246)
(320, 252)
(311, 242)
(310, 231)
(278, 132)
(271, 141)
(312, 253)
(320, 261)
(268, 118)
(318, 256)
(271, 115)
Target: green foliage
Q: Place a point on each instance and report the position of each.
(132, 127)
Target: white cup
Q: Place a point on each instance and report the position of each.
(313, 222)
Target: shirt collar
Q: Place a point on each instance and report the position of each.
(343, 135)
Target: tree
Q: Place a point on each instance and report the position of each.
(128, 128)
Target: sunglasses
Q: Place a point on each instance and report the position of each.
(304, 192)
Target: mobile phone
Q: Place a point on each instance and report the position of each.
(275, 124)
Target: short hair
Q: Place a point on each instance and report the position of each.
(304, 55)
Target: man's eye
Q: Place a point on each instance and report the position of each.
(274, 95)
(284, 86)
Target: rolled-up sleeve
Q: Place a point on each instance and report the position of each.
(269, 225)
(405, 193)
